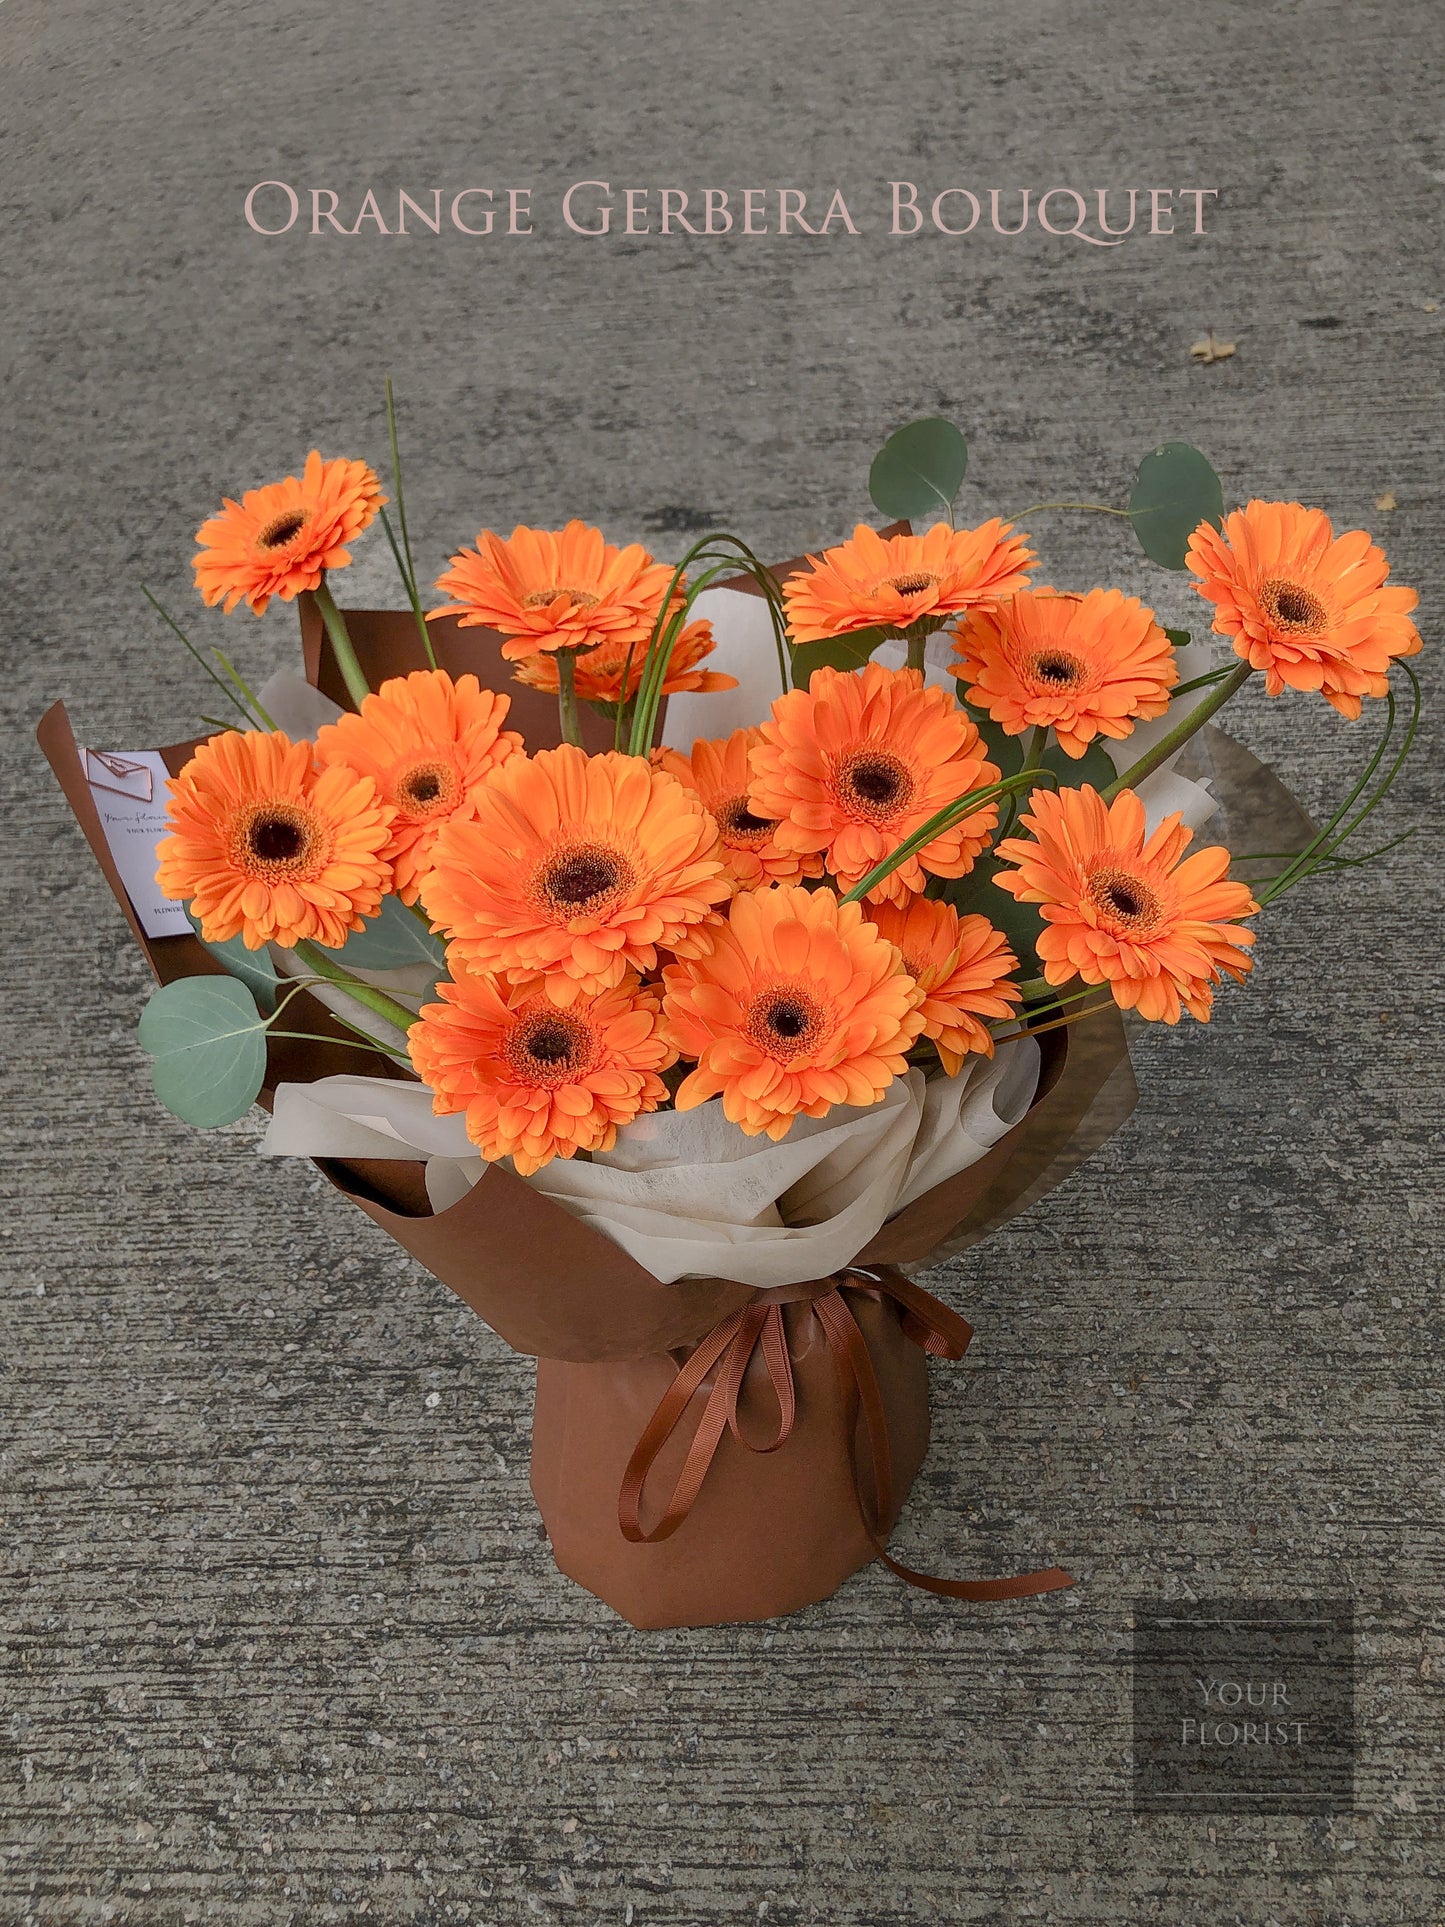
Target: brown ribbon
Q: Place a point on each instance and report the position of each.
(727, 1352)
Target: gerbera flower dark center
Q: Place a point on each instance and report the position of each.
(1056, 668)
(912, 584)
(739, 825)
(1125, 899)
(279, 532)
(787, 1019)
(277, 840)
(427, 788)
(582, 879)
(543, 598)
(876, 784)
(550, 1047)
(1293, 607)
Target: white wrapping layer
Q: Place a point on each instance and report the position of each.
(295, 706)
(685, 1193)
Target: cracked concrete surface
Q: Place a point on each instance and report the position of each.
(281, 1640)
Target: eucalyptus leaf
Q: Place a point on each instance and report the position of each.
(839, 652)
(393, 940)
(1094, 766)
(978, 895)
(253, 967)
(209, 1044)
(1174, 491)
(919, 469)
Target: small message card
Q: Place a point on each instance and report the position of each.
(129, 789)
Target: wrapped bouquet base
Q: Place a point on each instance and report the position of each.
(721, 1441)
(731, 1483)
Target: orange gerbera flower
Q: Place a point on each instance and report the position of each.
(855, 763)
(1124, 910)
(1083, 665)
(599, 672)
(537, 1081)
(800, 1004)
(1306, 606)
(575, 868)
(896, 581)
(267, 847)
(718, 773)
(961, 964)
(280, 539)
(556, 590)
(428, 744)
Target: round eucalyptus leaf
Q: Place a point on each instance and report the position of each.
(979, 895)
(253, 967)
(1007, 754)
(919, 469)
(1095, 766)
(393, 940)
(209, 1044)
(1174, 491)
(839, 652)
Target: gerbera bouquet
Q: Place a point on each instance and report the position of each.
(742, 985)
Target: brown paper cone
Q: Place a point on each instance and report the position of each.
(769, 1532)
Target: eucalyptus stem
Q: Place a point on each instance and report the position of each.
(1092, 508)
(357, 686)
(368, 995)
(567, 696)
(362, 1041)
(1181, 733)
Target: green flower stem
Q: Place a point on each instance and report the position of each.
(225, 688)
(1073, 1017)
(1038, 743)
(945, 819)
(567, 696)
(1181, 733)
(239, 680)
(357, 686)
(1041, 999)
(666, 628)
(1329, 839)
(408, 582)
(367, 995)
(1201, 682)
(916, 647)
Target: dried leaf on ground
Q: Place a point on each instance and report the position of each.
(1210, 348)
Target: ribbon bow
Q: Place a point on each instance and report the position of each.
(728, 1350)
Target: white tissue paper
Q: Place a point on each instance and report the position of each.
(686, 1193)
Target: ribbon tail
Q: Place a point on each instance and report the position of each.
(853, 1361)
(1022, 1586)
